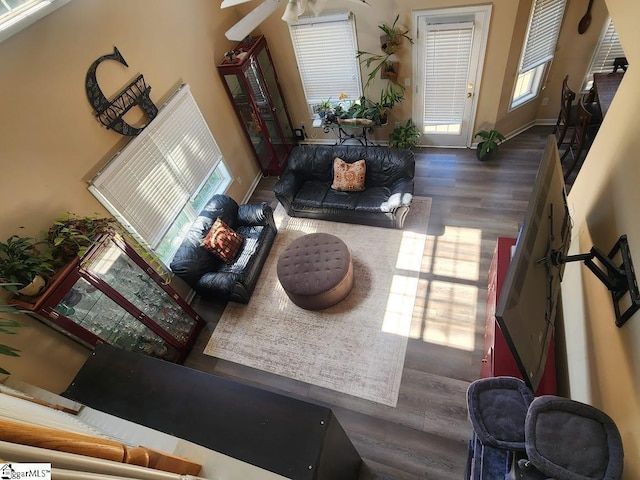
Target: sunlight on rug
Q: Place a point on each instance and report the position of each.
(356, 347)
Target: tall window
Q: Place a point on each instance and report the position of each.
(325, 49)
(163, 178)
(539, 47)
(608, 50)
(18, 14)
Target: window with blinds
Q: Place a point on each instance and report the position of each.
(447, 54)
(609, 48)
(539, 48)
(325, 49)
(163, 177)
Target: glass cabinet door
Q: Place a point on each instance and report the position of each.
(278, 110)
(120, 272)
(93, 310)
(244, 107)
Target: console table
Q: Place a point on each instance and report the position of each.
(293, 438)
(360, 133)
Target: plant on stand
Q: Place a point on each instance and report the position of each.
(491, 140)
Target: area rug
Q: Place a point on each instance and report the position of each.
(356, 347)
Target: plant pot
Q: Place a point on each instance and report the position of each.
(487, 156)
(388, 46)
(391, 73)
(33, 288)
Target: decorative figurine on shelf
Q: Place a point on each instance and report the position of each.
(230, 56)
(111, 113)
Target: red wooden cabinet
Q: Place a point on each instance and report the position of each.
(251, 82)
(113, 296)
(497, 360)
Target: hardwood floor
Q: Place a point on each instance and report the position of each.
(425, 436)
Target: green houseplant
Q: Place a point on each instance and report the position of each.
(405, 136)
(491, 140)
(392, 36)
(23, 268)
(72, 235)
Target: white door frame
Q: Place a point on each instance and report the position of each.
(482, 16)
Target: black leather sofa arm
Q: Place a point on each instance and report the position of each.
(255, 214)
(403, 189)
(288, 186)
(217, 283)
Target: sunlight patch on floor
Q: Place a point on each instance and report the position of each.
(446, 306)
(456, 253)
(402, 293)
(450, 315)
(400, 305)
(410, 253)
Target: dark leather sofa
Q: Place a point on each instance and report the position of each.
(207, 274)
(304, 189)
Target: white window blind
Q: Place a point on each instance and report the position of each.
(608, 50)
(151, 180)
(542, 33)
(325, 50)
(448, 52)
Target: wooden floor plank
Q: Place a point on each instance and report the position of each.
(424, 436)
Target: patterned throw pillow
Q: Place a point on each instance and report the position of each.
(348, 177)
(223, 241)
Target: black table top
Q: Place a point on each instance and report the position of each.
(275, 432)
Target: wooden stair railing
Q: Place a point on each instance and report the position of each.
(104, 448)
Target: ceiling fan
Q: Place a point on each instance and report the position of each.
(255, 17)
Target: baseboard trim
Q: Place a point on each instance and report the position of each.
(252, 188)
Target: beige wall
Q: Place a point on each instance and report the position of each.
(50, 141)
(604, 361)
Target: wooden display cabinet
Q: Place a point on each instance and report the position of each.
(252, 84)
(112, 296)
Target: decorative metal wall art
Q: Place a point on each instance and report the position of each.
(110, 113)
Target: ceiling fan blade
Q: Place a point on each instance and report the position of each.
(231, 3)
(251, 20)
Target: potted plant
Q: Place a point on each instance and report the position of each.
(405, 136)
(389, 71)
(71, 235)
(23, 268)
(323, 108)
(392, 36)
(491, 140)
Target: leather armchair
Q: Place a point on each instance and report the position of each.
(207, 274)
(304, 188)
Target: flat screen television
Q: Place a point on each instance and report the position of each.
(526, 308)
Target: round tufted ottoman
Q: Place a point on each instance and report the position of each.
(316, 271)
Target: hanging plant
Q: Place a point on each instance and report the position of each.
(392, 36)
